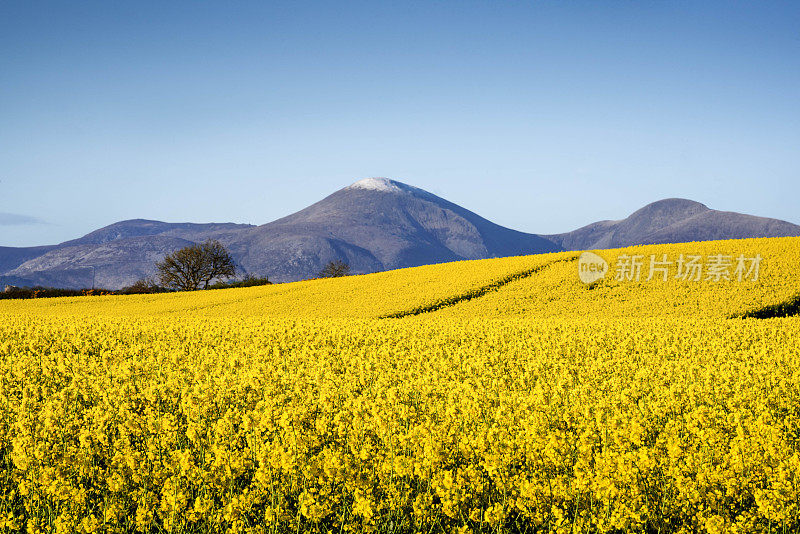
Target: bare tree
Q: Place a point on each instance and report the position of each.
(196, 265)
(221, 264)
(335, 269)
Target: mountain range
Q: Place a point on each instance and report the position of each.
(374, 224)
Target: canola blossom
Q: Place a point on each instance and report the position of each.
(510, 399)
(363, 296)
(556, 290)
(525, 286)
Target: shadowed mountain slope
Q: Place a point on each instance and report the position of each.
(673, 220)
(377, 224)
(374, 224)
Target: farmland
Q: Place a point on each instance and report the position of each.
(497, 395)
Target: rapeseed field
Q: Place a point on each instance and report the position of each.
(499, 395)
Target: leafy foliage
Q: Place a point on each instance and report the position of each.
(39, 292)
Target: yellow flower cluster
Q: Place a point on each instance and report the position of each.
(156, 425)
(362, 296)
(557, 291)
(526, 286)
(509, 397)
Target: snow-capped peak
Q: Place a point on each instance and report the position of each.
(385, 185)
(379, 184)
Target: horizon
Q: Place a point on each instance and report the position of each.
(541, 117)
(355, 184)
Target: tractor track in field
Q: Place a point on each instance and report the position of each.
(474, 293)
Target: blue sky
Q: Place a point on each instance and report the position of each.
(539, 115)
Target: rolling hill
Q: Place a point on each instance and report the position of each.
(503, 380)
(375, 224)
(672, 220)
(539, 286)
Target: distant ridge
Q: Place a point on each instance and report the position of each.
(672, 220)
(373, 224)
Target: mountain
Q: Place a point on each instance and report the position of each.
(377, 224)
(673, 220)
(12, 257)
(374, 224)
(145, 228)
(112, 257)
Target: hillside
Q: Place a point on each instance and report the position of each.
(557, 291)
(500, 392)
(112, 257)
(536, 286)
(375, 224)
(672, 220)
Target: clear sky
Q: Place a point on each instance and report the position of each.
(539, 115)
